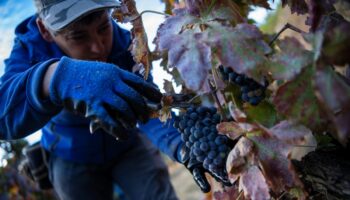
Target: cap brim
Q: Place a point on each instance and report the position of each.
(60, 15)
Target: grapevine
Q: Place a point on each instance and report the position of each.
(304, 103)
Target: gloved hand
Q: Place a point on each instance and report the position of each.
(198, 172)
(112, 98)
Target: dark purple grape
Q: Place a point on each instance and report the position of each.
(204, 146)
(201, 158)
(194, 116)
(198, 128)
(187, 131)
(198, 133)
(182, 124)
(218, 161)
(203, 139)
(197, 152)
(211, 137)
(247, 85)
(212, 154)
(197, 144)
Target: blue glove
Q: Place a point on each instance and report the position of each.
(198, 171)
(112, 98)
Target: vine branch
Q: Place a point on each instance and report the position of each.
(285, 27)
(149, 11)
(213, 92)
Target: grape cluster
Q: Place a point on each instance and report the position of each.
(198, 131)
(252, 91)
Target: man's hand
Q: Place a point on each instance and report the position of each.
(198, 172)
(112, 98)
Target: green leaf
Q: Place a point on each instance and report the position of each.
(334, 94)
(296, 100)
(290, 60)
(264, 113)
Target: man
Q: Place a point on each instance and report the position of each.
(69, 75)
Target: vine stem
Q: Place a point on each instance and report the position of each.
(239, 195)
(285, 27)
(213, 92)
(305, 146)
(149, 11)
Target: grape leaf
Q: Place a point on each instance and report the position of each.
(209, 10)
(296, 6)
(273, 156)
(139, 47)
(264, 113)
(228, 193)
(261, 3)
(238, 159)
(319, 9)
(236, 113)
(242, 48)
(169, 5)
(296, 100)
(290, 132)
(191, 57)
(290, 61)
(254, 184)
(234, 130)
(343, 8)
(336, 45)
(173, 26)
(334, 93)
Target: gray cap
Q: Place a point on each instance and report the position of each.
(57, 14)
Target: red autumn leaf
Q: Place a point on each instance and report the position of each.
(242, 48)
(290, 61)
(233, 129)
(238, 159)
(228, 193)
(273, 156)
(296, 6)
(296, 99)
(334, 94)
(236, 113)
(254, 184)
(290, 132)
(139, 47)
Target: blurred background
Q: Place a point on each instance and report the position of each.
(13, 12)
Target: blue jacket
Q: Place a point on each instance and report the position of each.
(23, 112)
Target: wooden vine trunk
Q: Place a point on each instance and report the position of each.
(326, 173)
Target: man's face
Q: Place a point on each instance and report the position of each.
(91, 41)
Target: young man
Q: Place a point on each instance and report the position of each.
(69, 74)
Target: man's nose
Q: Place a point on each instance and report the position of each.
(97, 46)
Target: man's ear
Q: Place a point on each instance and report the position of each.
(43, 30)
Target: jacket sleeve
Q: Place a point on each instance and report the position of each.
(164, 136)
(22, 110)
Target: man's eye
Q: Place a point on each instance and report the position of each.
(104, 28)
(77, 37)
